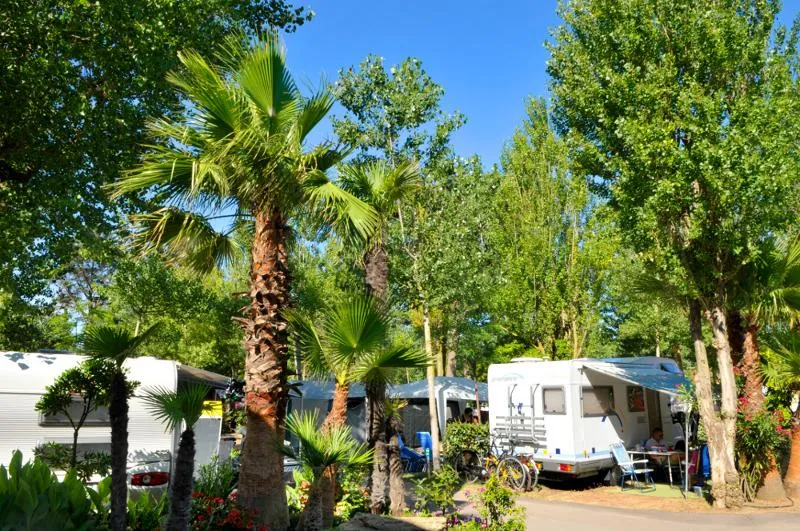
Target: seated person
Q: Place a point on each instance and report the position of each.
(467, 416)
(656, 439)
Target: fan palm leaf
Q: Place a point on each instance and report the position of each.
(174, 407)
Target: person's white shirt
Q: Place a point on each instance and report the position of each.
(651, 443)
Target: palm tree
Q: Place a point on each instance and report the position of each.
(350, 344)
(384, 188)
(319, 451)
(239, 154)
(782, 371)
(175, 408)
(117, 344)
(770, 293)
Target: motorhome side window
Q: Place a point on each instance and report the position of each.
(98, 417)
(553, 400)
(598, 401)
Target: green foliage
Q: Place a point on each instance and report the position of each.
(352, 495)
(466, 436)
(88, 75)
(32, 499)
(216, 478)
(321, 449)
(688, 142)
(90, 382)
(437, 490)
(389, 111)
(497, 506)
(297, 496)
(760, 440)
(175, 408)
(146, 512)
(58, 456)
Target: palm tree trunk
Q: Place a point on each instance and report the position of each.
(311, 519)
(792, 478)
(397, 489)
(118, 411)
(261, 488)
(751, 369)
(376, 272)
(327, 483)
(377, 397)
(180, 500)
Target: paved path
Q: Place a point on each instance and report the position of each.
(560, 516)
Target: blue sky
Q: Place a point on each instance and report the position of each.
(488, 55)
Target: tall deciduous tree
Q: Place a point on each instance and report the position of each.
(239, 153)
(78, 80)
(679, 113)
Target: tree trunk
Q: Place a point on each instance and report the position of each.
(432, 407)
(736, 334)
(452, 349)
(380, 477)
(792, 478)
(180, 500)
(440, 358)
(397, 489)
(327, 483)
(726, 486)
(73, 460)
(376, 272)
(118, 411)
(751, 370)
(311, 519)
(261, 488)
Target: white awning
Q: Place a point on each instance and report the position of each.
(664, 377)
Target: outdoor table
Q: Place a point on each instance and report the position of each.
(666, 455)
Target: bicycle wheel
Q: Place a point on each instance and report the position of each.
(512, 473)
(468, 465)
(533, 474)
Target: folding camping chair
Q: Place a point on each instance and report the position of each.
(412, 461)
(627, 467)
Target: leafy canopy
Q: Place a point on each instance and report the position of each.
(185, 405)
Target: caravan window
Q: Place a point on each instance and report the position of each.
(98, 417)
(553, 400)
(598, 401)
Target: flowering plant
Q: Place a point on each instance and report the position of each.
(760, 438)
(210, 513)
(496, 505)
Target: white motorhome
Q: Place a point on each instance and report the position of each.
(24, 377)
(567, 413)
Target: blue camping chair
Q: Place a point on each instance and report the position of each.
(628, 468)
(412, 461)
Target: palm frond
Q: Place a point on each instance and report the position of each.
(354, 329)
(114, 342)
(380, 185)
(782, 355)
(305, 332)
(320, 449)
(187, 404)
(378, 367)
(352, 217)
(188, 236)
(313, 111)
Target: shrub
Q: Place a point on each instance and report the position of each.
(58, 456)
(297, 495)
(217, 478)
(760, 440)
(146, 513)
(496, 505)
(352, 496)
(32, 498)
(210, 513)
(437, 490)
(464, 436)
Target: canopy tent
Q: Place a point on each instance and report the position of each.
(645, 372)
(447, 389)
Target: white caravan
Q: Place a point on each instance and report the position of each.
(24, 376)
(567, 413)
